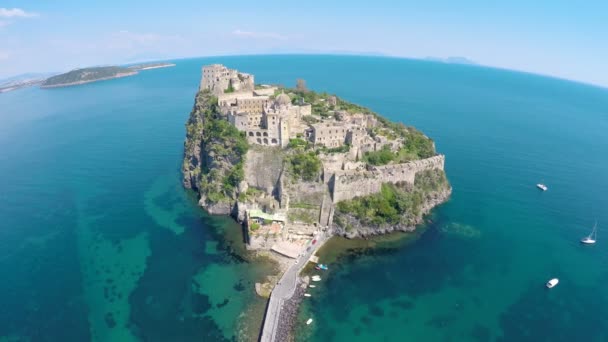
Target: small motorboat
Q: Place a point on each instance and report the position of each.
(591, 238)
(542, 186)
(312, 286)
(316, 278)
(309, 321)
(307, 295)
(552, 283)
(321, 267)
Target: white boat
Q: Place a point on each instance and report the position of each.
(309, 321)
(307, 295)
(542, 186)
(316, 278)
(591, 238)
(312, 286)
(552, 283)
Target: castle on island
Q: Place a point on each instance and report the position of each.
(281, 210)
(271, 118)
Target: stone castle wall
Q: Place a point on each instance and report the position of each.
(348, 184)
(217, 78)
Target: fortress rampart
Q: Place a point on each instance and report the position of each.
(348, 184)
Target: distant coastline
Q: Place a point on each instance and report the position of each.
(149, 66)
(5, 88)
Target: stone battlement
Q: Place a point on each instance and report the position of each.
(348, 184)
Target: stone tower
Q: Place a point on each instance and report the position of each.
(218, 79)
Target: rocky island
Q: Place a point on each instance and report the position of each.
(296, 167)
(94, 74)
(86, 75)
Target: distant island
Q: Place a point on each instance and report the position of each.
(452, 60)
(297, 167)
(94, 74)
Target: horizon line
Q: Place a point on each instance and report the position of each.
(429, 59)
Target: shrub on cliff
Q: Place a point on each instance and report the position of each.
(418, 144)
(297, 142)
(381, 157)
(394, 203)
(305, 165)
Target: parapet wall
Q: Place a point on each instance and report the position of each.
(348, 184)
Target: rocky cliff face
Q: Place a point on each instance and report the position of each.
(214, 153)
(191, 167)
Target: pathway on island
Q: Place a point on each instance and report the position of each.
(284, 289)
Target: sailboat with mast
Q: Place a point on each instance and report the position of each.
(591, 238)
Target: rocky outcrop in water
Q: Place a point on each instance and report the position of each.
(352, 227)
(344, 167)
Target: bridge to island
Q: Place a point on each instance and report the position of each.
(285, 289)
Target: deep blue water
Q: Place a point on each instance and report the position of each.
(99, 241)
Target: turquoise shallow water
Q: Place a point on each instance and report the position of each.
(98, 240)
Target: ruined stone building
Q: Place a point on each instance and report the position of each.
(217, 78)
(264, 120)
(272, 121)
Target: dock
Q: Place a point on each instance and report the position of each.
(285, 289)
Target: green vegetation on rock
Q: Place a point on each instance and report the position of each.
(218, 167)
(394, 204)
(417, 146)
(297, 143)
(381, 157)
(305, 165)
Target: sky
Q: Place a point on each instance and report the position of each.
(566, 39)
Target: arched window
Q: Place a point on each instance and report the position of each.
(258, 134)
(265, 134)
(259, 141)
(265, 141)
(250, 134)
(274, 141)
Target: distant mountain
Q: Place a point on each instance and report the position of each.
(87, 75)
(453, 60)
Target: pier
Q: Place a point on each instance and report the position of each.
(285, 289)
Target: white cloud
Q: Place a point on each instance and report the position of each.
(16, 13)
(258, 35)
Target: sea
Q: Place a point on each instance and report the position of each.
(100, 242)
